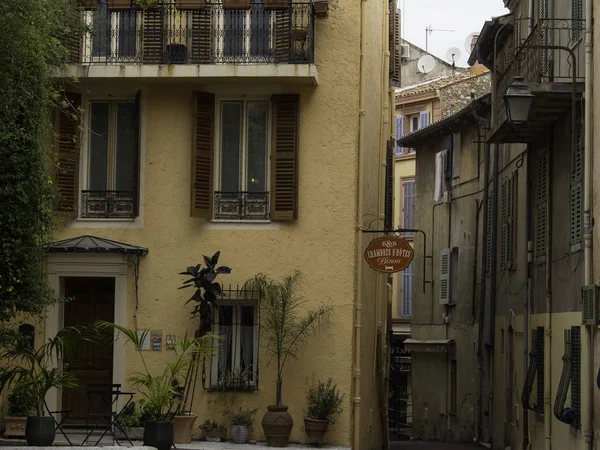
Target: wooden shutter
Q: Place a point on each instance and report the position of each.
(445, 276)
(202, 155)
(576, 188)
(395, 44)
(153, 36)
(138, 141)
(284, 157)
(541, 207)
(399, 134)
(576, 373)
(67, 139)
(201, 42)
(283, 25)
(423, 119)
(409, 204)
(389, 186)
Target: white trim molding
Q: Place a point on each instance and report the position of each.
(60, 266)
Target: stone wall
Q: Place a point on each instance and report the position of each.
(455, 97)
(410, 74)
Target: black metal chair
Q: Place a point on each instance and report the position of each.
(64, 414)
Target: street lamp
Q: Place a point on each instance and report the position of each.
(518, 100)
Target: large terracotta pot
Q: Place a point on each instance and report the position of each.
(277, 425)
(315, 430)
(182, 428)
(40, 431)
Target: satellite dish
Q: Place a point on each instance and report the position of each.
(469, 41)
(453, 54)
(426, 63)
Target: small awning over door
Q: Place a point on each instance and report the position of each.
(93, 244)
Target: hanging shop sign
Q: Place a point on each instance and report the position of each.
(389, 254)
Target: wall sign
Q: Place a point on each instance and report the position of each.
(389, 254)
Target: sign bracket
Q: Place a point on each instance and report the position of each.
(410, 230)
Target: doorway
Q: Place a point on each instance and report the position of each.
(90, 299)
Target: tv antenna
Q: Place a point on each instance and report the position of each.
(425, 64)
(430, 30)
(453, 54)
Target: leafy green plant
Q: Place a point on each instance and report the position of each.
(284, 323)
(160, 395)
(208, 425)
(36, 370)
(243, 417)
(207, 290)
(20, 403)
(145, 4)
(324, 401)
(131, 417)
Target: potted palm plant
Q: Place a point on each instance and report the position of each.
(241, 422)
(36, 372)
(285, 327)
(20, 406)
(324, 402)
(159, 392)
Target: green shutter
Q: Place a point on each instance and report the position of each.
(577, 19)
(512, 220)
(488, 269)
(576, 188)
(504, 224)
(576, 373)
(539, 345)
(541, 206)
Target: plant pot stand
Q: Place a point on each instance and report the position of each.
(315, 430)
(277, 425)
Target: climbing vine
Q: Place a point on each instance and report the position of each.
(33, 37)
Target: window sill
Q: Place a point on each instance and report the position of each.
(82, 222)
(241, 225)
(239, 221)
(406, 157)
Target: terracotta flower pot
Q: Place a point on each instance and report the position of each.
(182, 428)
(277, 425)
(315, 430)
(15, 426)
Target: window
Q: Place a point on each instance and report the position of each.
(407, 291)
(541, 197)
(111, 179)
(408, 219)
(245, 32)
(112, 35)
(244, 161)
(234, 365)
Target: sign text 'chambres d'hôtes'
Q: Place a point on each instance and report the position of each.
(389, 254)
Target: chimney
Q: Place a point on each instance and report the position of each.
(476, 69)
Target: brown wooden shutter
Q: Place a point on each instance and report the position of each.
(395, 45)
(389, 186)
(153, 36)
(284, 157)
(283, 25)
(201, 41)
(136, 175)
(202, 155)
(67, 148)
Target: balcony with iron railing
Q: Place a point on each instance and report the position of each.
(253, 39)
(550, 56)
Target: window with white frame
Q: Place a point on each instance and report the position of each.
(109, 188)
(234, 364)
(243, 174)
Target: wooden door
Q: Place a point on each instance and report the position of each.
(91, 299)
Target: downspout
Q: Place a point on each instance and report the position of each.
(587, 394)
(359, 242)
(548, 322)
(529, 291)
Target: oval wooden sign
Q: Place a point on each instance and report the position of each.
(389, 254)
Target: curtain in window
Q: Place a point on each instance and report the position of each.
(247, 338)
(226, 334)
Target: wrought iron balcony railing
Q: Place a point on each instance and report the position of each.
(211, 35)
(108, 204)
(242, 205)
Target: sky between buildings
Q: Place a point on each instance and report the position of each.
(462, 16)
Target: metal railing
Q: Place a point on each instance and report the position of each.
(211, 35)
(243, 205)
(528, 58)
(108, 204)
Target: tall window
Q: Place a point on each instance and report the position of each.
(113, 33)
(407, 291)
(408, 219)
(235, 361)
(246, 33)
(243, 172)
(112, 160)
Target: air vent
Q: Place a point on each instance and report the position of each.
(405, 51)
(445, 276)
(589, 302)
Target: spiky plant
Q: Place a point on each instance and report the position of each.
(286, 324)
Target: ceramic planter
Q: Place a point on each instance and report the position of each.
(275, 4)
(321, 8)
(315, 430)
(277, 425)
(239, 434)
(159, 434)
(15, 426)
(40, 431)
(182, 428)
(236, 4)
(190, 4)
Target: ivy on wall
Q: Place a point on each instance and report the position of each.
(32, 33)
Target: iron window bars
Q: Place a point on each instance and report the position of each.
(108, 204)
(570, 379)
(243, 205)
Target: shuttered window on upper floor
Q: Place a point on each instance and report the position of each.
(508, 199)
(576, 190)
(578, 24)
(541, 199)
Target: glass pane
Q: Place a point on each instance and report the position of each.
(257, 146)
(225, 344)
(126, 34)
(247, 342)
(231, 126)
(234, 36)
(98, 146)
(260, 29)
(126, 164)
(101, 30)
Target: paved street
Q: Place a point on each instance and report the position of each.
(423, 445)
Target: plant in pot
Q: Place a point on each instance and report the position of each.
(159, 393)
(285, 326)
(36, 372)
(241, 422)
(131, 420)
(212, 430)
(20, 406)
(324, 401)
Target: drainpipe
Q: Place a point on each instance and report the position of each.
(359, 242)
(529, 292)
(548, 325)
(587, 394)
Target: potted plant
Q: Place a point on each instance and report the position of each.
(236, 4)
(190, 4)
(285, 329)
(20, 406)
(132, 421)
(210, 429)
(241, 422)
(324, 401)
(36, 371)
(159, 392)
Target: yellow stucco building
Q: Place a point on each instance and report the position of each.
(259, 132)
